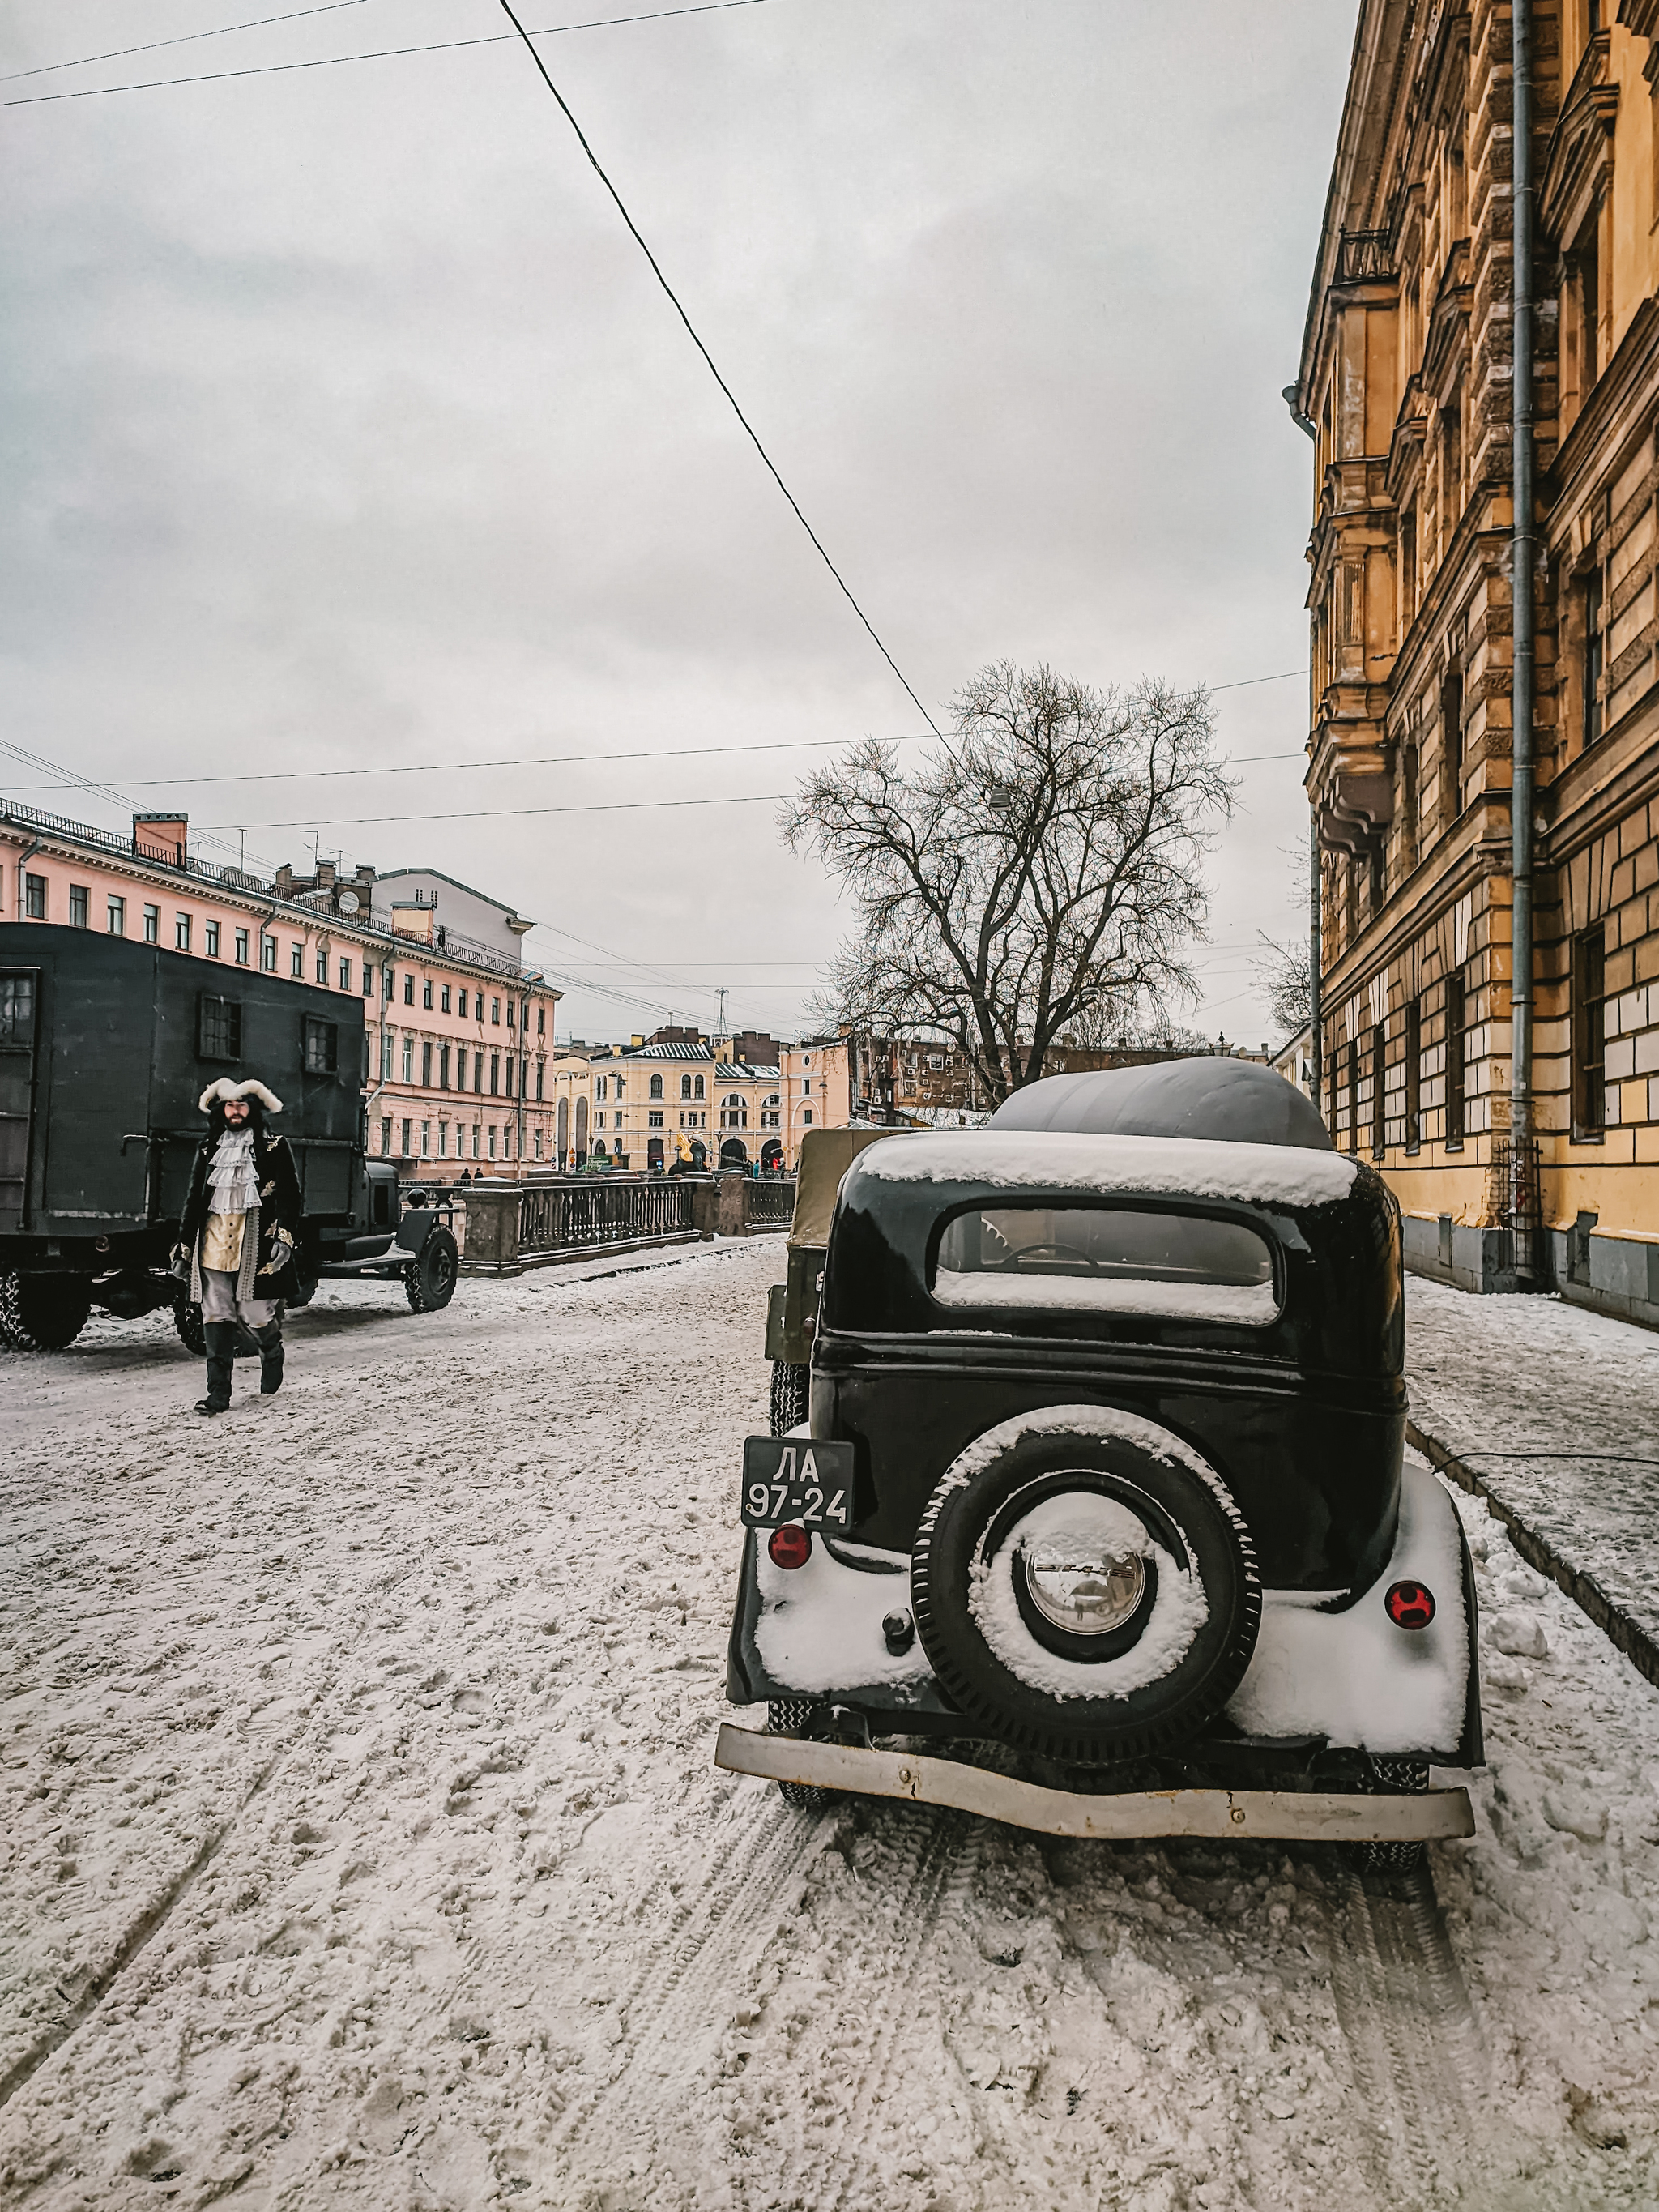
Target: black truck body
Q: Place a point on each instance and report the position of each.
(106, 1047)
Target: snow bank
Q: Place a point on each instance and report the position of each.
(1265, 1175)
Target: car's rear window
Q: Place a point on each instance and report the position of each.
(1105, 1260)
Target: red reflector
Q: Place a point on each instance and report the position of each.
(792, 1547)
(1410, 1605)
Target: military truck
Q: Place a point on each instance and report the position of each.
(106, 1047)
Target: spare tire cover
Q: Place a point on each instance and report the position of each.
(1084, 1586)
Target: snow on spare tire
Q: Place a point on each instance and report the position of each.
(1084, 1584)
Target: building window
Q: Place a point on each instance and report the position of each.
(476, 1134)
(656, 1086)
(734, 1114)
(345, 974)
(210, 933)
(509, 1014)
(409, 1130)
(443, 999)
(117, 916)
(770, 1114)
(806, 1087)
(685, 1086)
(386, 1056)
(495, 1011)
(80, 906)
(538, 1140)
(409, 1064)
(385, 1134)
(426, 1140)
(152, 925)
(654, 1120)
(322, 1045)
(1379, 1054)
(492, 1141)
(1594, 649)
(296, 961)
(443, 1072)
(512, 1062)
(478, 1071)
(619, 1120)
(462, 1005)
(426, 991)
(696, 1087)
(218, 1027)
(1590, 1033)
(1413, 1074)
(541, 1074)
(541, 1021)
(1457, 1061)
(494, 1073)
(322, 964)
(268, 955)
(598, 1090)
(409, 990)
(443, 1140)
(506, 1142)
(388, 986)
(1354, 1095)
(241, 948)
(34, 897)
(1452, 742)
(368, 979)
(181, 931)
(426, 1066)
(807, 1117)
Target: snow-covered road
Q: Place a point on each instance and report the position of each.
(361, 1846)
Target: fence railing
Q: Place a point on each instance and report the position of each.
(566, 1217)
(772, 1200)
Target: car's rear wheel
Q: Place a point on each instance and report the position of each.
(800, 1716)
(42, 1313)
(1385, 1776)
(430, 1277)
(791, 1390)
(1084, 1586)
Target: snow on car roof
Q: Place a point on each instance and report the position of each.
(1174, 1167)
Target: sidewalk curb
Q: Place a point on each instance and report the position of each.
(1624, 1633)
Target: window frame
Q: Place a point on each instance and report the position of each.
(1589, 1036)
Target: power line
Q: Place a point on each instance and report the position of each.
(376, 54)
(494, 813)
(185, 39)
(674, 301)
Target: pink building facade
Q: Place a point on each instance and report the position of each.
(458, 1033)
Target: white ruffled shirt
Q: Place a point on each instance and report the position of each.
(233, 1178)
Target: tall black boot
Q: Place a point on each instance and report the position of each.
(270, 1342)
(221, 1364)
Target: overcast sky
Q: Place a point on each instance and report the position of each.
(346, 429)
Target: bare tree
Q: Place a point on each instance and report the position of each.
(1040, 873)
(1284, 969)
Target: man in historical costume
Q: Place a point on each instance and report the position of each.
(240, 1223)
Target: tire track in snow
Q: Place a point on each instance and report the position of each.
(147, 1924)
(1410, 2031)
(681, 1988)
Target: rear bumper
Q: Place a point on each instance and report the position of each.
(1290, 1816)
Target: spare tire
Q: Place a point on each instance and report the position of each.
(1083, 1585)
(43, 1313)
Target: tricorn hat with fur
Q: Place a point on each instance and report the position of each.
(224, 1088)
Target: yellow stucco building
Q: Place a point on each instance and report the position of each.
(1405, 385)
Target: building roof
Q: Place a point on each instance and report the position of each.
(514, 919)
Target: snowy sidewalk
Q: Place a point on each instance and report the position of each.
(1552, 1414)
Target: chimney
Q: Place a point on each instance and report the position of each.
(284, 885)
(160, 837)
(326, 872)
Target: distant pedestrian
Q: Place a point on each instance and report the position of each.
(241, 1222)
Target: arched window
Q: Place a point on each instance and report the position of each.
(656, 1086)
(685, 1086)
(734, 1114)
(770, 1115)
(698, 1090)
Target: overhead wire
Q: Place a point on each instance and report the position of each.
(692, 332)
(376, 54)
(184, 38)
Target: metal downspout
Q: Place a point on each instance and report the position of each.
(1522, 563)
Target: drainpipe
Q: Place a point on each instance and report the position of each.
(1315, 1025)
(23, 860)
(1522, 562)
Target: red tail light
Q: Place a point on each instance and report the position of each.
(792, 1547)
(1410, 1605)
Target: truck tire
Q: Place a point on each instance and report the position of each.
(187, 1319)
(429, 1278)
(791, 1389)
(303, 1293)
(801, 1716)
(42, 1313)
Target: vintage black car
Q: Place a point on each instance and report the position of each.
(105, 1048)
(1102, 1481)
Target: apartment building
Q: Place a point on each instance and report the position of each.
(460, 1033)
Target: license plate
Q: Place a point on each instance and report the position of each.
(792, 1478)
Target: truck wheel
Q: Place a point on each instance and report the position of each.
(790, 1394)
(306, 1291)
(187, 1319)
(800, 1716)
(429, 1278)
(1392, 1777)
(42, 1313)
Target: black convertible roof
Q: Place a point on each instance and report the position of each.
(1206, 1096)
